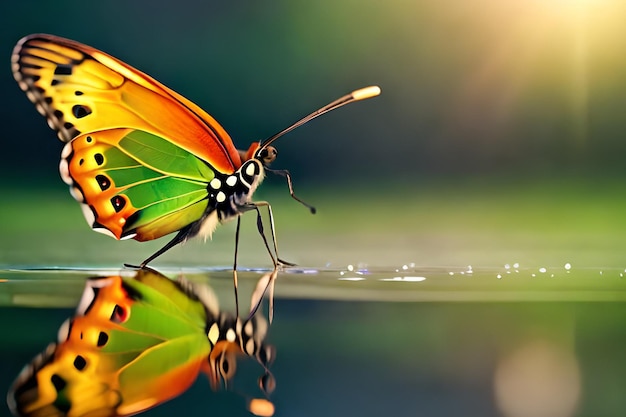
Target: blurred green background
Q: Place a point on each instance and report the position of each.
(498, 136)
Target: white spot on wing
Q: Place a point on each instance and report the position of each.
(64, 331)
(104, 231)
(40, 109)
(67, 150)
(89, 216)
(221, 197)
(89, 293)
(77, 194)
(64, 169)
(127, 237)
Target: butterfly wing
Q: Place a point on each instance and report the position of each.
(131, 190)
(139, 156)
(133, 344)
(80, 89)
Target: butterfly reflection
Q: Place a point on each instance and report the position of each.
(135, 343)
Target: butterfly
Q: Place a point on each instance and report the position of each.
(136, 342)
(142, 160)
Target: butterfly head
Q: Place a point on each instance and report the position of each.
(265, 154)
(230, 339)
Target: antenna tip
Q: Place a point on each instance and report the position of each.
(366, 92)
(261, 407)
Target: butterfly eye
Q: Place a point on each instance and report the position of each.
(268, 155)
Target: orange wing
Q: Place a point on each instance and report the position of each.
(80, 89)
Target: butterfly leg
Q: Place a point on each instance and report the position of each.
(266, 282)
(271, 277)
(287, 175)
(180, 237)
(235, 278)
(277, 261)
(261, 229)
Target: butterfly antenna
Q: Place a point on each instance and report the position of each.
(360, 94)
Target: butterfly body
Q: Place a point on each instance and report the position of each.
(133, 344)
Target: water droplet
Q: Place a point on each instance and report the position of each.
(405, 279)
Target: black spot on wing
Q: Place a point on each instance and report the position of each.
(119, 314)
(79, 111)
(103, 182)
(118, 202)
(80, 363)
(103, 338)
(57, 382)
(63, 70)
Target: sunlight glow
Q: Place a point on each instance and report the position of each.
(540, 379)
(546, 50)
